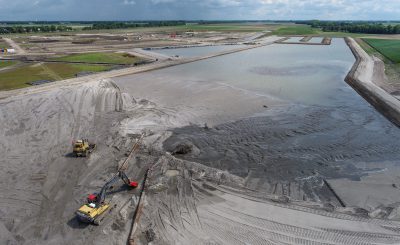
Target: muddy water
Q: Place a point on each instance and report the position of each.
(320, 132)
(291, 149)
(196, 51)
(304, 74)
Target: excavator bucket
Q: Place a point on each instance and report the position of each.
(133, 184)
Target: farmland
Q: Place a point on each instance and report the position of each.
(388, 48)
(20, 76)
(111, 58)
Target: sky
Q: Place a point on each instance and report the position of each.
(75, 10)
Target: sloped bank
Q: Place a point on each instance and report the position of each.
(365, 75)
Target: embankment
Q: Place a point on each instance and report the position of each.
(365, 75)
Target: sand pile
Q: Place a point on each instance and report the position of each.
(41, 185)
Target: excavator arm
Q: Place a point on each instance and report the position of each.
(126, 180)
(100, 198)
(96, 205)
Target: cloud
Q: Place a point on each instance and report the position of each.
(162, 1)
(129, 2)
(195, 9)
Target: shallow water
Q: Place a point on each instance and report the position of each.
(299, 73)
(294, 39)
(316, 40)
(195, 51)
(324, 128)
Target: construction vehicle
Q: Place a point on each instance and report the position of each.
(82, 148)
(95, 208)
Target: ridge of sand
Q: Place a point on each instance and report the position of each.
(365, 75)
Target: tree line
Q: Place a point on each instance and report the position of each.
(354, 27)
(123, 25)
(34, 28)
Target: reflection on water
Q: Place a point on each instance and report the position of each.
(324, 129)
(301, 70)
(327, 128)
(316, 40)
(195, 51)
(305, 74)
(294, 39)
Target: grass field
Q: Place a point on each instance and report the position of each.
(370, 50)
(388, 48)
(20, 76)
(3, 44)
(112, 58)
(7, 63)
(295, 30)
(234, 27)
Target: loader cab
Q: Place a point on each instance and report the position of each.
(78, 144)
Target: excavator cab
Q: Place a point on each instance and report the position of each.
(95, 208)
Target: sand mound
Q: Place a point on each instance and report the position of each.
(38, 180)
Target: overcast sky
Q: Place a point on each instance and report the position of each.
(199, 9)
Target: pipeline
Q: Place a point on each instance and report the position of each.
(138, 211)
(134, 148)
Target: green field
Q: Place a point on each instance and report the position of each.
(388, 48)
(234, 27)
(370, 50)
(6, 63)
(112, 58)
(20, 76)
(295, 30)
(3, 44)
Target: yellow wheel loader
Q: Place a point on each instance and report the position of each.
(82, 148)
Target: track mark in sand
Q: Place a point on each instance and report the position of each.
(300, 143)
(315, 234)
(60, 190)
(247, 195)
(222, 218)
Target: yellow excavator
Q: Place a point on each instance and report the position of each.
(82, 148)
(95, 208)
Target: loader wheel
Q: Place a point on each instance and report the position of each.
(96, 222)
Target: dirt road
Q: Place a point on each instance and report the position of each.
(14, 45)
